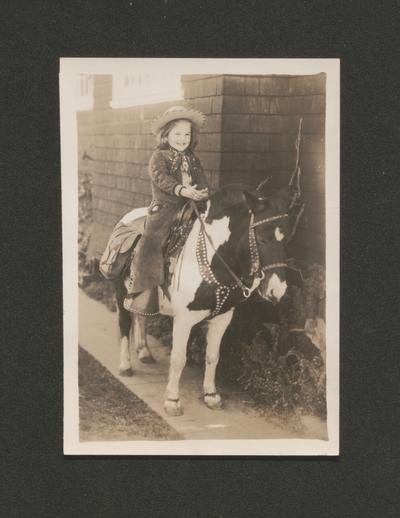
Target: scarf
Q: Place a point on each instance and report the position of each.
(180, 162)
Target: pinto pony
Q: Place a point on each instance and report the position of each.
(236, 247)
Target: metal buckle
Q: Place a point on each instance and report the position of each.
(246, 292)
(260, 275)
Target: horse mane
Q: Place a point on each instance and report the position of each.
(228, 196)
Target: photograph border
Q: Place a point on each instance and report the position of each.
(69, 68)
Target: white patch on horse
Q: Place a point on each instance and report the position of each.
(186, 278)
(219, 232)
(125, 358)
(278, 234)
(184, 320)
(276, 287)
(133, 214)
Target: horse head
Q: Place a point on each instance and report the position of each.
(274, 221)
(269, 228)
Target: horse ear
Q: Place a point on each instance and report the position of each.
(254, 202)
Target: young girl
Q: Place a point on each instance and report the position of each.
(176, 176)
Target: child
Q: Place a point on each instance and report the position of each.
(176, 176)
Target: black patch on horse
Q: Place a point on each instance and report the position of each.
(232, 204)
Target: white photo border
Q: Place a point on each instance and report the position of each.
(69, 68)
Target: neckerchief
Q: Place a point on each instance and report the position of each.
(180, 162)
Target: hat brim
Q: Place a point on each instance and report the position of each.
(195, 117)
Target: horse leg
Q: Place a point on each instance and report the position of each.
(125, 322)
(215, 331)
(140, 340)
(180, 335)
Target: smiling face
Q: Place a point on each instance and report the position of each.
(180, 134)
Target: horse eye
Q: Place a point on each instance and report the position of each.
(278, 234)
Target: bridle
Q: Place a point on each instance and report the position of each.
(254, 254)
(257, 271)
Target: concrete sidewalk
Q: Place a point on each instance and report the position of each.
(98, 334)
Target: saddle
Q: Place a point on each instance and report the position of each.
(125, 236)
(120, 246)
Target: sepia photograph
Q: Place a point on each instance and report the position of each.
(200, 256)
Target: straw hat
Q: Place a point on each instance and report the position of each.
(178, 112)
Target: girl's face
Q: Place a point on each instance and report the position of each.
(179, 135)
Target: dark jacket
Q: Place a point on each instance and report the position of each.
(165, 174)
(164, 171)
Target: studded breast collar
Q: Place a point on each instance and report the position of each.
(223, 291)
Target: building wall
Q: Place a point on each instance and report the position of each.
(250, 132)
(259, 129)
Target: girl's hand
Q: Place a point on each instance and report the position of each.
(193, 193)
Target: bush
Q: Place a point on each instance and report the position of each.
(85, 219)
(281, 370)
(90, 279)
(98, 288)
(160, 327)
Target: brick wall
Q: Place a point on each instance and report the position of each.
(250, 132)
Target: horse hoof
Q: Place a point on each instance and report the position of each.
(127, 373)
(173, 408)
(213, 402)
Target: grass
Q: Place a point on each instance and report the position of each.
(108, 411)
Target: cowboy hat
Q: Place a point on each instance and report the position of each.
(176, 113)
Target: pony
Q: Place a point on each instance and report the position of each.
(235, 248)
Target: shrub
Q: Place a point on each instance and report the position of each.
(282, 371)
(98, 288)
(90, 279)
(278, 361)
(85, 220)
(160, 327)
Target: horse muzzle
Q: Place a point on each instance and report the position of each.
(275, 289)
